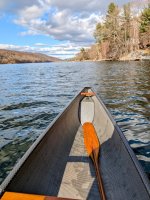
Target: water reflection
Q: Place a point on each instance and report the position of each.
(33, 94)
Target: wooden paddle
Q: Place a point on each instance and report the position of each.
(91, 141)
(92, 146)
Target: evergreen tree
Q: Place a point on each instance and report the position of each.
(113, 30)
(127, 20)
(145, 20)
(83, 54)
(119, 33)
(145, 28)
(100, 33)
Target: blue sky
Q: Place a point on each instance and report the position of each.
(10, 33)
(53, 27)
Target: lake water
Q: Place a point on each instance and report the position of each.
(31, 95)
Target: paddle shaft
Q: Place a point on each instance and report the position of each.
(94, 157)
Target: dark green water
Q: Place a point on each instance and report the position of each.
(31, 95)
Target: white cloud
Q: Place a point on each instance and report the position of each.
(61, 25)
(71, 21)
(40, 44)
(16, 5)
(16, 47)
(31, 12)
(77, 5)
(63, 50)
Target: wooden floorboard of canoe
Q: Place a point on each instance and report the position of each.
(57, 163)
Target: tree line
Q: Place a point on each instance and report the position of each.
(123, 30)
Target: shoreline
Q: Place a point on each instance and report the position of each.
(100, 60)
(139, 55)
(136, 55)
(109, 60)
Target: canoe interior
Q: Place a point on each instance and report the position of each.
(59, 165)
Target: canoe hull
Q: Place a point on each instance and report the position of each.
(57, 163)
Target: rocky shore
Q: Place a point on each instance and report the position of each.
(95, 54)
(137, 55)
(8, 56)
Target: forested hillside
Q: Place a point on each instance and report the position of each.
(123, 31)
(7, 56)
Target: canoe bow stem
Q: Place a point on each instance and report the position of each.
(94, 156)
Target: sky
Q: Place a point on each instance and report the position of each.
(57, 28)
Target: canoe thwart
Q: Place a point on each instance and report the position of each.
(88, 94)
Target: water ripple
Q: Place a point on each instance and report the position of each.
(33, 94)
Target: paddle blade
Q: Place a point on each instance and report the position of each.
(91, 141)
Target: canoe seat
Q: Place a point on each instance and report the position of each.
(21, 196)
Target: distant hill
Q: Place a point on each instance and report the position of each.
(9, 56)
